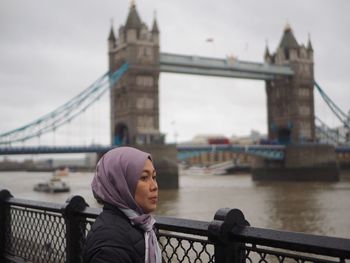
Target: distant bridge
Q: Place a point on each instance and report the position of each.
(272, 152)
(275, 152)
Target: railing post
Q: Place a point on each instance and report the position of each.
(225, 249)
(4, 221)
(75, 228)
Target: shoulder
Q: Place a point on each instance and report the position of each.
(113, 235)
(113, 225)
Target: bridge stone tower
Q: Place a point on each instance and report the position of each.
(134, 98)
(290, 100)
(291, 119)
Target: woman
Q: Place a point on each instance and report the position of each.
(125, 182)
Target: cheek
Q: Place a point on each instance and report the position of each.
(141, 191)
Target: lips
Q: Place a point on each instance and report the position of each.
(154, 199)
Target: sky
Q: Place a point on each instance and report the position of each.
(52, 50)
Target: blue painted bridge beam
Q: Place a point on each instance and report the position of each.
(273, 152)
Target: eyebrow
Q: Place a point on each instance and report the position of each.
(148, 171)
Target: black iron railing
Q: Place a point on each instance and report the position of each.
(48, 232)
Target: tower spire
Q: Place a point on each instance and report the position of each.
(287, 27)
(267, 51)
(267, 55)
(155, 24)
(288, 40)
(133, 21)
(309, 46)
(111, 33)
(112, 41)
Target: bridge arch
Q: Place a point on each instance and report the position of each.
(121, 134)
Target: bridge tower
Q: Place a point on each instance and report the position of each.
(291, 119)
(134, 99)
(290, 100)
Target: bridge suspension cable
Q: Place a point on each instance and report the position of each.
(343, 117)
(65, 113)
(329, 134)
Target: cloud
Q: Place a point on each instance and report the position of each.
(52, 50)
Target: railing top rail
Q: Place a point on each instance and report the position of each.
(40, 205)
(90, 212)
(302, 242)
(194, 227)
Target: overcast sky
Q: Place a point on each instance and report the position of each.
(52, 50)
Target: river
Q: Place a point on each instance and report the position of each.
(311, 207)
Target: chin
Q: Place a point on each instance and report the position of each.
(150, 210)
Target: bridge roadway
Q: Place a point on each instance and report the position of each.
(272, 152)
(227, 67)
(275, 152)
(9, 150)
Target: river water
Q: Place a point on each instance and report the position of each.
(311, 207)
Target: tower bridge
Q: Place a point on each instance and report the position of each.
(288, 74)
(135, 62)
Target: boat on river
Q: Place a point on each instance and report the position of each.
(195, 170)
(229, 168)
(54, 185)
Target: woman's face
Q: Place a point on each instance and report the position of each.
(146, 194)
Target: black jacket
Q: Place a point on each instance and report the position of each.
(113, 239)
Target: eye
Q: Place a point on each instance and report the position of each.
(144, 177)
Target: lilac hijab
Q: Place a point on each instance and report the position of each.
(115, 181)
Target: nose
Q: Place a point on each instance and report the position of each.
(154, 185)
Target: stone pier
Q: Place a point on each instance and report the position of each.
(302, 162)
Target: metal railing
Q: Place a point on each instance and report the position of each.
(32, 231)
